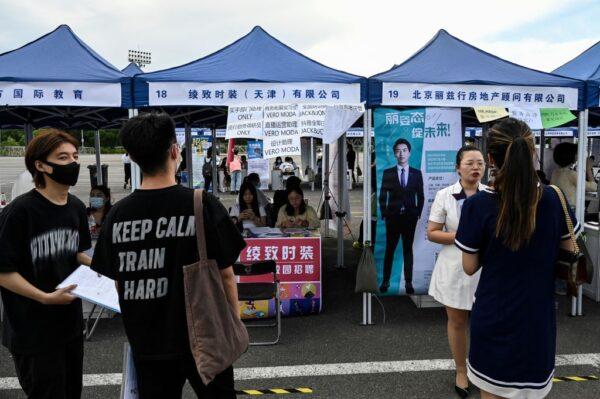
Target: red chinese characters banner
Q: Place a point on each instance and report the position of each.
(298, 262)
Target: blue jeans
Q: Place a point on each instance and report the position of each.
(236, 180)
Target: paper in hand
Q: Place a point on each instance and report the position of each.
(94, 288)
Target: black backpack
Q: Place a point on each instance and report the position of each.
(207, 169)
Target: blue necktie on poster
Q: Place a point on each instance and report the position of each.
(403, 178)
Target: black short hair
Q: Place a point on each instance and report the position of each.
(465, 148)
(253, 178)
(402, 141)
(292, 181)
(565, 154)
(147, 138)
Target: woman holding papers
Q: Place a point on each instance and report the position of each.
(296, 214)
(247, 211)
(43, 235)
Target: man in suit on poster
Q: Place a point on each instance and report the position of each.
(401, 201)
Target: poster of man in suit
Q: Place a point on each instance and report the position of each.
(415, 151)
(401, 201)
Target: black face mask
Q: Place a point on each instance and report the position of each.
(64, 174)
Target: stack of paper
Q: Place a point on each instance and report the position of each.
(93, 287)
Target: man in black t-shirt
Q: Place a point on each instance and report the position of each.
(43, 235)
(146, 240)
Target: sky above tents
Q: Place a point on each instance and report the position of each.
(360, 37)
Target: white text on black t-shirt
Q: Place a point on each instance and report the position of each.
(148, 258)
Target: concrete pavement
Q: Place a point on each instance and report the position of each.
(415, 337)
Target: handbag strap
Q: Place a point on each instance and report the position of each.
(568, 219)
(199, 216)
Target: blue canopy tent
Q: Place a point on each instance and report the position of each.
(447, 72)
(255, 68)
(132, 69)
(449, 65)
(58, 80)
(586, 66)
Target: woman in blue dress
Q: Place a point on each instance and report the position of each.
(513, 231)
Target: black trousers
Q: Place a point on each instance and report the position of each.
(395, 227)
(56, 374)
(162, 379)
(127, 168)
(207, 182)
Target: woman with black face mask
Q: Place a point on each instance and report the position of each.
(43, 236)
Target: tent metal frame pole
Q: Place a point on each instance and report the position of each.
(99, 177)
(213, 160)
(188, 155)
(325, 172)
(136, 173)
(312, 162)
(28, 133)
(576, 303)
(342, 190)
(542, 148)
(367, 297)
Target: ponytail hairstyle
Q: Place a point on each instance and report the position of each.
(511, 146)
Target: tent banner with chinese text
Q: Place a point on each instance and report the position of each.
(466, 95)
(416, 154)
(298, 270)
(69, 94)
(197, 93)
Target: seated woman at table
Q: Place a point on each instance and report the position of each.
(247, 212)
(295, 213)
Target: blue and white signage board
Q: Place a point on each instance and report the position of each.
(458, 95)
(214, 94)
(355, 132)
(593, 132)
(72, 94)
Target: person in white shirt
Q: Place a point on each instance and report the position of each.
(247, 211)
(22, 185)
(127, 169)
(450, 285)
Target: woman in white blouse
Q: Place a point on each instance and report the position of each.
(450, 285)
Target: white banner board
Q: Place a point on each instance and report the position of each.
(339, 119)
(464, 95)
(245, 122)
(530, 116)
(196, 93)
(281, 133)
(72, 94)
(260, 166)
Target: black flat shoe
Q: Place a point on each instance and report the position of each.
(462, 392)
